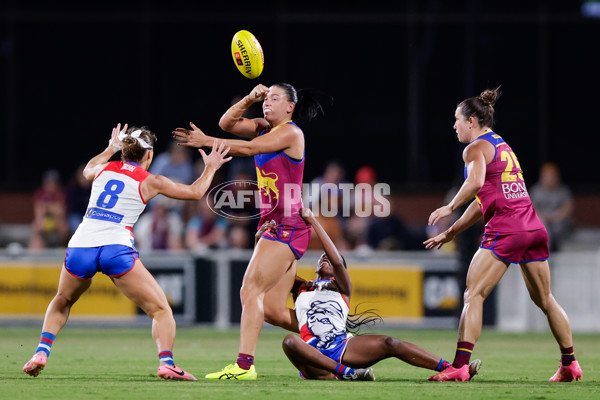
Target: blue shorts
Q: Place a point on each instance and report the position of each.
(111, 260)
(335, 353)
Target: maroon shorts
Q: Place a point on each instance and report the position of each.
(518, 247)
(297, 237)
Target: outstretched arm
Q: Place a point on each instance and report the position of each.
(335, 258)
(158, 184)
(286, 137)
(469, 217)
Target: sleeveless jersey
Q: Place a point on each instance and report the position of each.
(115, 204)
(322, 315)
(503, 199)
(279, 180)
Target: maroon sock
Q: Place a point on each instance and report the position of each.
(463, 354)
(245, 361)
(567, 356)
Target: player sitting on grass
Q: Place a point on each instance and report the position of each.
(322, 308)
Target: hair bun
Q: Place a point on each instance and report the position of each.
(128, 141)
(490, 96)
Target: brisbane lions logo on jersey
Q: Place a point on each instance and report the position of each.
(267, 181)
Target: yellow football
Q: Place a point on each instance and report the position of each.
(247, 54)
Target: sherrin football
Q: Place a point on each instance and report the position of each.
(247, 54)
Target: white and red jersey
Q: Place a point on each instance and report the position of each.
(322, 314)
(115, 205)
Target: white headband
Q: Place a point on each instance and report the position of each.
(135, 134)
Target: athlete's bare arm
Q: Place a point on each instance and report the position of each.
(474, 156)
(158, 184)
(234, 122)
(469, 217)
(97, 163)
(342, 278)
(298, 282)
(287, 137)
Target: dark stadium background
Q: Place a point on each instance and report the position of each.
(70, 70)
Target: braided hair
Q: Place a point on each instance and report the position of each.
(368, 317)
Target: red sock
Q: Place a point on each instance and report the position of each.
(463, 354)
(567, 356)
(245, 361)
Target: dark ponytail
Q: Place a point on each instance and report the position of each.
(308, 106)
(481, 107)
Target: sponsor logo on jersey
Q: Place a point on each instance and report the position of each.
(103, 215)
(514, 190)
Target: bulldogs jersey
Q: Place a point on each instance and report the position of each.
(115, 204)
(321, 314)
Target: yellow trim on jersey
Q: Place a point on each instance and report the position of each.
(488, 131)
(278, 125)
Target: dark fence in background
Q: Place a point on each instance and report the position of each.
(70, 71)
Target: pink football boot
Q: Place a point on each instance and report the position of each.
(462, 374)
(452, 374)
(566, 373)
(174, 372)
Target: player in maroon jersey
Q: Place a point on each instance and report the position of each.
(513, 234)
(277, 144)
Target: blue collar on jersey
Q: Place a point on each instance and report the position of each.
(262, 159)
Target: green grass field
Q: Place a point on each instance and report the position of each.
(120, 363)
